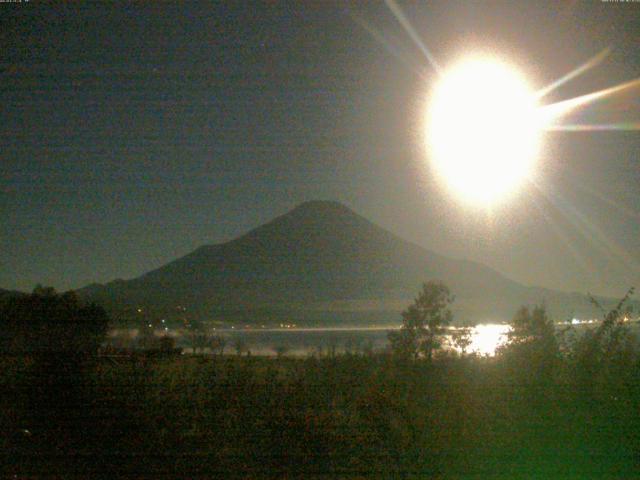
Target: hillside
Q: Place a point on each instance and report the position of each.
(320, 263)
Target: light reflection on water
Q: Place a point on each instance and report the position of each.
(484, 339)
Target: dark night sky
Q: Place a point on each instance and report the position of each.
(130, 135)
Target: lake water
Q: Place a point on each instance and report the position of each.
(484, 339)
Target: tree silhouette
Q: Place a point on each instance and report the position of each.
(281, 350)
(199, 341)
(532, 349)
(167, 343)
(601, 351)
(54, 336)
(423, 322)
(240, 345)
(218, 343)
(531, 326)
(462, 339)
(46, 321)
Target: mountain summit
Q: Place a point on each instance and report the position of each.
(321, 262)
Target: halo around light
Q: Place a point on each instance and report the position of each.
(483, 130)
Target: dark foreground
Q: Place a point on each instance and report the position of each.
(350, 416)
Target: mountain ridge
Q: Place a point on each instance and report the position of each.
(321, 253)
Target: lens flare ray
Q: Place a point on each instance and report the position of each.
(589, 230)
(564, 107)
(404, 21)
(608, 201)
(588, 65)
(387, 45)
(578, 127)
(583, 262)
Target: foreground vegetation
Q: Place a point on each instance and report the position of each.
(549, 405)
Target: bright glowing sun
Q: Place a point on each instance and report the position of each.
(483, 130)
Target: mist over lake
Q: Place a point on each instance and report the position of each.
(484, 339)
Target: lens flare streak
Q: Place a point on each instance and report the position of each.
(402, 19)
(387, 44)
(559, 109)
(588, 65)
(612, 203)
(589, 230)
(583, 262)
(577, 127)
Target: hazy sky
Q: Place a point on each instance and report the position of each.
(130, 135)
